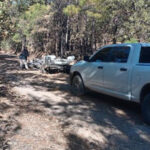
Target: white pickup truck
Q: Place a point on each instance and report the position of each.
(120, 70)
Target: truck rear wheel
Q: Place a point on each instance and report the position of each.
(77, 86)
(146, 108)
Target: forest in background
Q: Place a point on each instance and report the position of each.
(72, 27)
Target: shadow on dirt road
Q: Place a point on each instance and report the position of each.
(92, 122)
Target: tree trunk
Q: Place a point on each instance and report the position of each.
(61, 46)
(114, 40)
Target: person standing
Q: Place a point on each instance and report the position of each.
(23, 58)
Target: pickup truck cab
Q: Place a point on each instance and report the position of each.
(119, 70)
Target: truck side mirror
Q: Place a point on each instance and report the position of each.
(86, 58)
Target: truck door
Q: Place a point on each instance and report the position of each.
(95, 72)
(117, 70)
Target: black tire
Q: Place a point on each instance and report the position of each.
(77, 86)
(146, 108)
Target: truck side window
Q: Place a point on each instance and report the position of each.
(102, 55)
(145, 55)
(120, 54)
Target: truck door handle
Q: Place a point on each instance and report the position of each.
(100, 67)
(123, 69)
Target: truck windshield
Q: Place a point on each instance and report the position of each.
(145, 55)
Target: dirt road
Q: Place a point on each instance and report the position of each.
(38, 112)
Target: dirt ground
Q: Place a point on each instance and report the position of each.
(38, 112)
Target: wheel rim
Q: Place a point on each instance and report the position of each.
(77, 85)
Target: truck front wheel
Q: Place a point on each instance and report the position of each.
(146, 108)
(77, 84)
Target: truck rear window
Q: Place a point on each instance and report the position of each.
(145, 55)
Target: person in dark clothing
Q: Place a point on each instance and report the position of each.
(23, 58)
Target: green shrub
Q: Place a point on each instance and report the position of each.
(5, 45)
(132, 40)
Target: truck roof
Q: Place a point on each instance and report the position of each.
(126, 44)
